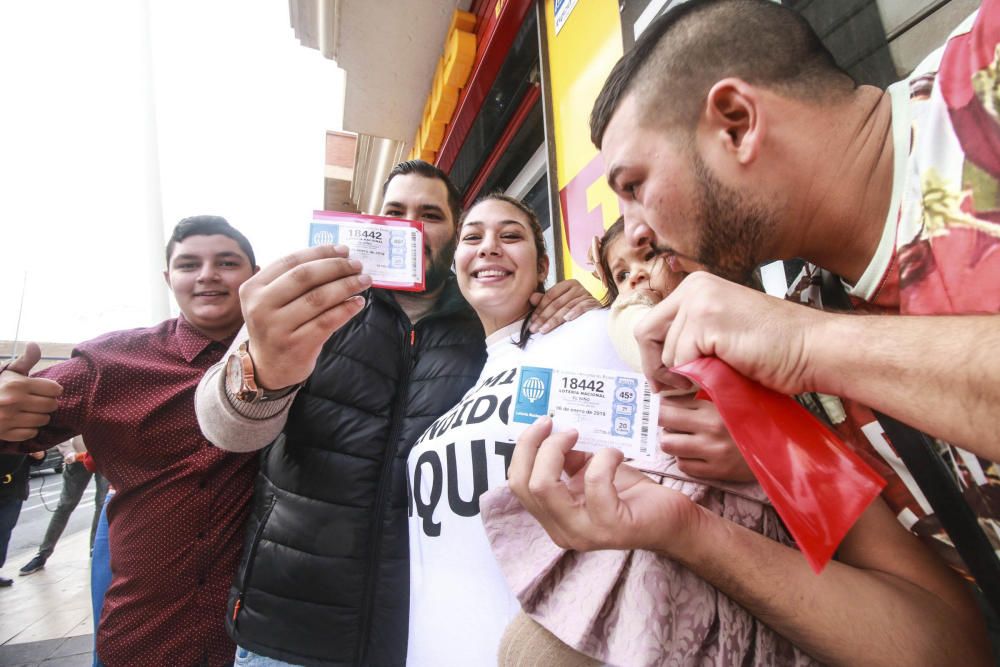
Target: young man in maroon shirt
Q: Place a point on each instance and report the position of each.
(177, 518)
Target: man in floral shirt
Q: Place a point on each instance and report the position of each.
(939, 255)
(896, 191)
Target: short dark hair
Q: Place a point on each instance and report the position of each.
(207, 225)
(685, 51)
(427, 170)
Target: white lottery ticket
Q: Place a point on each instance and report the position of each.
(390, 250)
(608, 408)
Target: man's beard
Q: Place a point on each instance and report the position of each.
(732, 227)
(438, 266)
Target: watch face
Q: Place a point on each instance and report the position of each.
(234, 375)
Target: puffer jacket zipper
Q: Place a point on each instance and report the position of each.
(245, 575)
(398, 413)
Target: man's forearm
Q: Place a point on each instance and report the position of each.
(244, 429)
(938, 374)
(846, 615)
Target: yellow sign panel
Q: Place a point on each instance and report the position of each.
(452, 73)
(580, 58)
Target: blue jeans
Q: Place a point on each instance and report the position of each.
(245, 658)
(100, 570)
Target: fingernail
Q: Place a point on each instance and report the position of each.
(570, 316)
(546, 327)
(342, 249)
(354, 264)
(533, 328)
(365, 279)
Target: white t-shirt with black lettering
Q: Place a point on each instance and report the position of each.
(459, 601)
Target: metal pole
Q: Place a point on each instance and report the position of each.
(20, 309)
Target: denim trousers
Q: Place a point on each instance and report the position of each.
(245, 658)
(100, 569)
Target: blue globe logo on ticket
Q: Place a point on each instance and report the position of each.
(324, 238)
(533, 389)
(322, 233)
(532, 400)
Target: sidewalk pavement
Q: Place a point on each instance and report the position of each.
(45, 618)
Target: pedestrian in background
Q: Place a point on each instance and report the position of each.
(76, 477)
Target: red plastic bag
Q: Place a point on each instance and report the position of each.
(818, 486)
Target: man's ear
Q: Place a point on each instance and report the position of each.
(732, 119)
(166, 278)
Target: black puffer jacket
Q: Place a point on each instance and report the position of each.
(324, 578)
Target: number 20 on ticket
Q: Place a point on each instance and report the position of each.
(608, 408)
(390, 250)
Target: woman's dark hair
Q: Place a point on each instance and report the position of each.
(208, 225)
(536, 233)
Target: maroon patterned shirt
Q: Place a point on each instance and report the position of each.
(176, 522)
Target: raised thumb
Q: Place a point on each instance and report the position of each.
(23, 364)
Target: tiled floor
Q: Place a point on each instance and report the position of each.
(71, 652)
(45, 617)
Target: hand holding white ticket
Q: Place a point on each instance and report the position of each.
(608, 408)
(293, 305)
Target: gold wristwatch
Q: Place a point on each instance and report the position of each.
(240, 381)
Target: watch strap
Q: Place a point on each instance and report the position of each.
(260, 410)
(249, 399)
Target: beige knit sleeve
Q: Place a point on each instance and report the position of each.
(234, 425)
